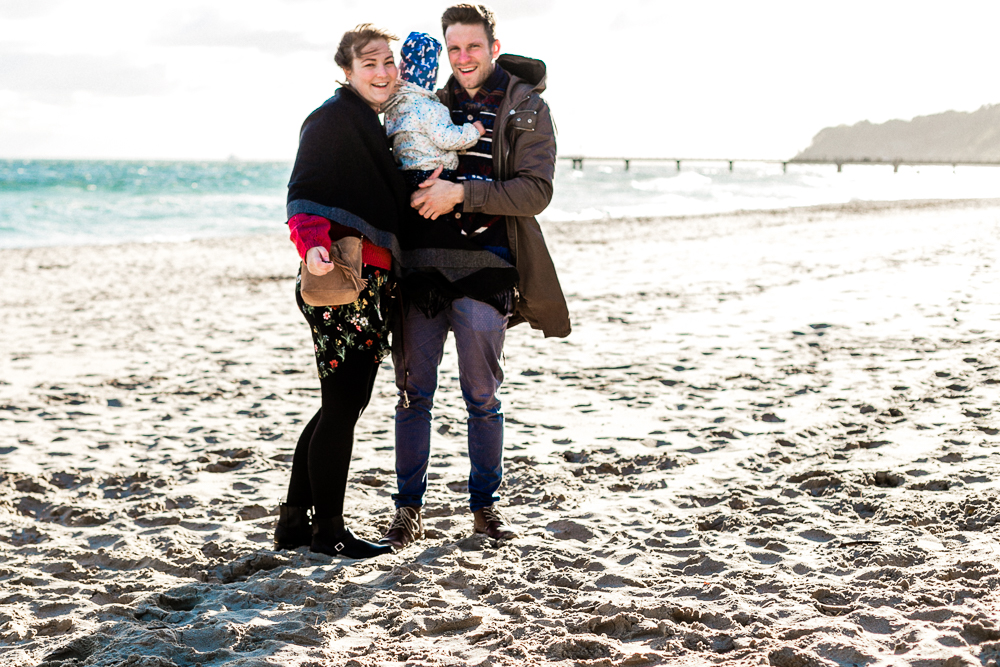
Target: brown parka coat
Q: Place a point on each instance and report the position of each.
(524, 162)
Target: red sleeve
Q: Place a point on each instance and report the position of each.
(308, 231)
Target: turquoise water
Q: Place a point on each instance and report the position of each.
(76, 202)
(99, 202)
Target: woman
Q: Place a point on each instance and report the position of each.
(344, 182)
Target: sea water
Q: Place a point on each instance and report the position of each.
(46, 203)
(76, 202)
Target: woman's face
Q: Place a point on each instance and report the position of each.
(373, 73)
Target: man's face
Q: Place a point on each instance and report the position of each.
(470, 54)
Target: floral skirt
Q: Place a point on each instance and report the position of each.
(362, 325)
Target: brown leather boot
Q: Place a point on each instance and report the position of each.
(406, 527)
(490, 522)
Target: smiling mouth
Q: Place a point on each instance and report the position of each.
(470, 70)
(380, 85)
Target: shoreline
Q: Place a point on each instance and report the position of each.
(768, 440)
(852, 207)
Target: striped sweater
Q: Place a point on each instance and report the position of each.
(476, 163)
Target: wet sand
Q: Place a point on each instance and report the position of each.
(770, 439)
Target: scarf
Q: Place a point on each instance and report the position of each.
(345, 173)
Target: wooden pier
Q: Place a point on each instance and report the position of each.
(840, 162)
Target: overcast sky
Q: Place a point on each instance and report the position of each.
(211, 79)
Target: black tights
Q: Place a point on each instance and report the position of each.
(323, 454)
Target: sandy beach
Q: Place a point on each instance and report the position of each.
(770, 440)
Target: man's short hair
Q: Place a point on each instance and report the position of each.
(467, 14)
(354, 41)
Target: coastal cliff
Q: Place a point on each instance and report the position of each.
(951, 135)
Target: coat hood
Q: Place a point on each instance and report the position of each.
(527, 69)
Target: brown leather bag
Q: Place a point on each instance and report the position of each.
(341, 285)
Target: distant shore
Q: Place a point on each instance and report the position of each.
(771, 439)
(950, 136)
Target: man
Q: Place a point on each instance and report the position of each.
(503, 182)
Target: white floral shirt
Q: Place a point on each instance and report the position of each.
(423, 136)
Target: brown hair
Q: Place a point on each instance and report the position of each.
(355, 40)
(467, 14)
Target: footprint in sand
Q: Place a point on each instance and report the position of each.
(564, 529)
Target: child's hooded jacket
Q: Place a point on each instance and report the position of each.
(423, 136)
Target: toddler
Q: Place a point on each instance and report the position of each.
(423, 136)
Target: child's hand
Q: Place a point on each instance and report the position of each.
(479, 126)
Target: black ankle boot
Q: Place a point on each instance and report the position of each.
(293, 529)
(333, 538)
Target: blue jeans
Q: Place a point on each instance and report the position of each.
(479, 335)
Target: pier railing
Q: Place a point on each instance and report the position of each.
(840, 162)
